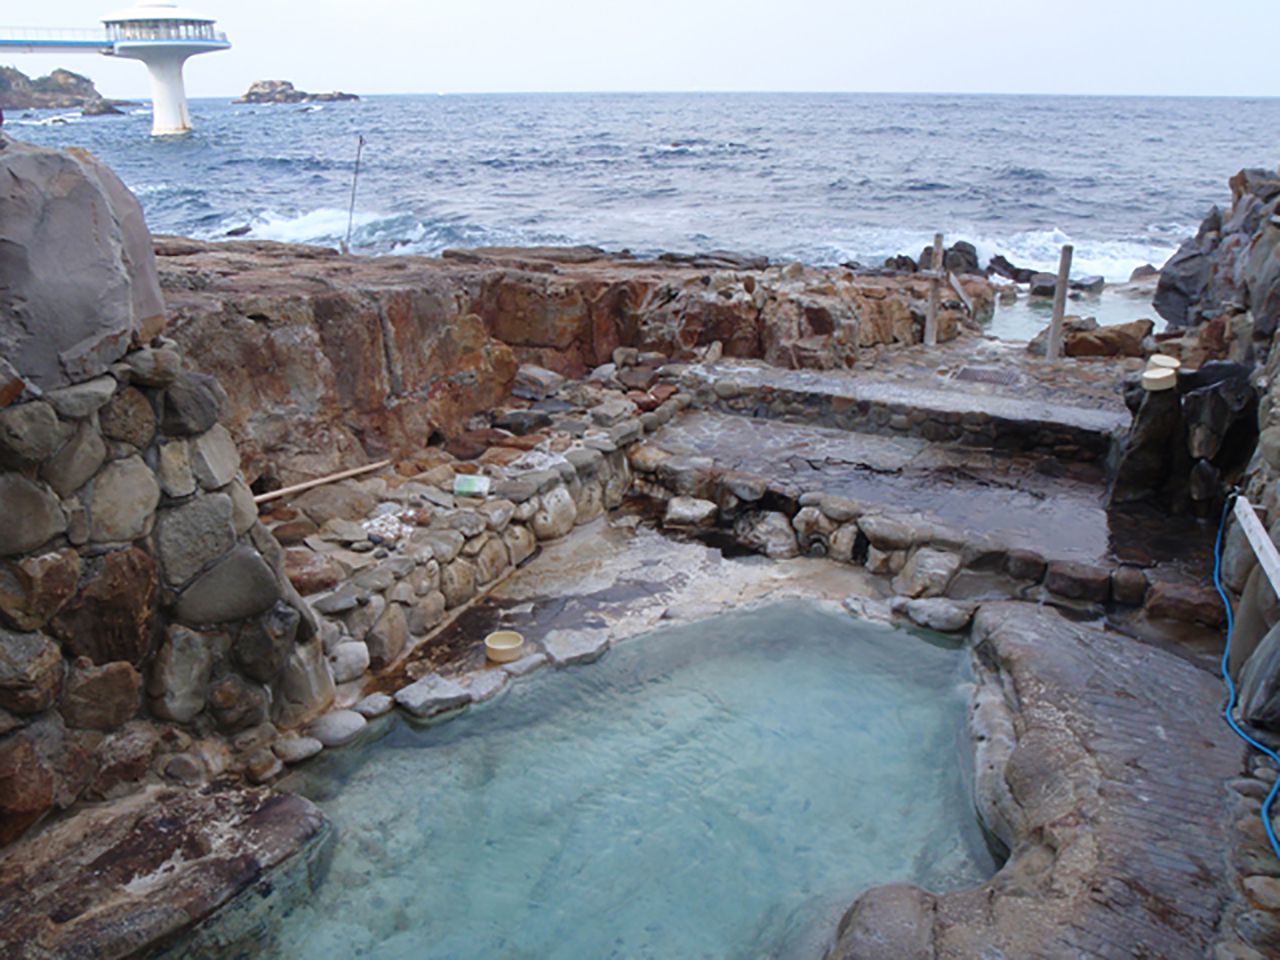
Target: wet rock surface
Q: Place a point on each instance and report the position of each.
(142, 871)
(1109, 796)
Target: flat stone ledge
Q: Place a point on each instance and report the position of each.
(128, 878)
(1101, 763)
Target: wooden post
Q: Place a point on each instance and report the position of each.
(1054, 349)
(935, 295)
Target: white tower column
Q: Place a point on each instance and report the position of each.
(169, 114)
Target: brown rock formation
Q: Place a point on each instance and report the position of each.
(330, 361)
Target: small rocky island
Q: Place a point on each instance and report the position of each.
(282, 91)
(60, 90)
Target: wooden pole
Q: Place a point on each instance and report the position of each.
(320, 482)
(1054, 349)
(935, 295)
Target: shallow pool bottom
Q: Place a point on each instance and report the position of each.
(721, 790)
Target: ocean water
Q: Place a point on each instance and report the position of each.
(823, 178)
(722, 790)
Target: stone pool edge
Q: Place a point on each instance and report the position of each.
(1108, 793)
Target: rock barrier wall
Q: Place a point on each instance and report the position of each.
(331, 362)
(145, 617)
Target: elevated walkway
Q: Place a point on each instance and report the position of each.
(42, 40)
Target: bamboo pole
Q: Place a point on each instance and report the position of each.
(1054, 349)
(935, 295)
(320, 482)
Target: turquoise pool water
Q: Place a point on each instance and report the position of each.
(722, 790)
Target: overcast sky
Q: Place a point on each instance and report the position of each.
(409, 46)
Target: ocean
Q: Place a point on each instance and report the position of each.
(820, 178)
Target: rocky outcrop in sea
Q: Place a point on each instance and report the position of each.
(60, 90)
(282, 91)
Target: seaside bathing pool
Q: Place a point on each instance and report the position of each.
(723, 790)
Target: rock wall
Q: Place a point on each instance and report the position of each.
(145, 617)
(331, 361)
(1227, 281)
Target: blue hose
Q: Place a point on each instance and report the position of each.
(1231, 684)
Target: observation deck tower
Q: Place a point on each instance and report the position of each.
(161, 34)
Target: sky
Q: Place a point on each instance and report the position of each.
(1169, 47)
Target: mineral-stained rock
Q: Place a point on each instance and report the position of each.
(179, 680)
(29, 515)
(122, 507)
(1129, 586)
(536, 383)
(101, 698)
(76, 463)
(192, 404)
(1117, 340)
(30, 672)
(311, 572)
(432, 695)
(191, 536)
(214, 458)
(110, 618)
(238, 586)
(129, 418)
(124, 759)
(34, 589)
(305, 688)
(153, 865)
(28, 785)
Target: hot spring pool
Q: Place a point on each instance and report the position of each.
(721, 790)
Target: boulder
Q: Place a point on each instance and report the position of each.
(29, 433)
(689, 512)
(192, 405)
(338, 728)
(1184, 280)
(536, 383)
(214, 458)
(388, 637)
(556, 514)
(262, 646)
(937, 613)
(349, 660)
(28, 785)
(458, 582)
(80, 278)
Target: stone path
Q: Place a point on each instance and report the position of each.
(1028, 502)
(1102, 762)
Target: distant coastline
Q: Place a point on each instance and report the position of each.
(59, 90)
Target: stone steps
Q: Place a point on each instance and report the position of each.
(985, 415)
